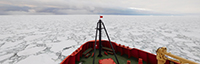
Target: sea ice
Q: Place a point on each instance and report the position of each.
(56, 47)
(33, 36)
(11, 44)
(6, 56)
(30, 51)
(38, 59)
(30, 38)
(161, 41)
(68, 51)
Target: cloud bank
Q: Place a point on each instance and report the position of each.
(116, 7)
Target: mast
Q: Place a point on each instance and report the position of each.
(98, 28)
(100, 46)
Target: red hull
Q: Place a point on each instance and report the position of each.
(131, 52)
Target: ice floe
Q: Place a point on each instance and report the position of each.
(11, 44)
(30, 51)
(56, 47)
(38, 59)
(3, 57)
(161, 41)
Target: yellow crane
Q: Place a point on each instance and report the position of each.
(161, 57)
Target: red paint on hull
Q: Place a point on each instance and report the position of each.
(131, 52)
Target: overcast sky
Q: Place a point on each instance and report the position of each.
(114, 7)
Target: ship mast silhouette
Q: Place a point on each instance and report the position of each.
(98, 28)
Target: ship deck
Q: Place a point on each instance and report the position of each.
(122, 59)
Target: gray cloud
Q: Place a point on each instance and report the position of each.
(128, 7)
